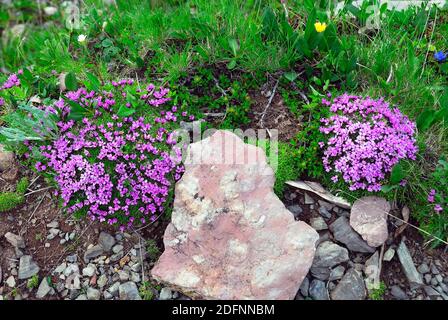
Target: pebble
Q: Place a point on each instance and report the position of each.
(165, 294)
(398, 293)
(106, 241)
(318, 291)
(318, 223)
(89, 271)
(27, 267)
(428, 278)
(11, 282)
(93, 252)
(129, 291)
(93, 294)
(324, 213)
(304, 287)
(423, 268)
(15, 240)
(351, 287)
(102, 281)
(308, 199)
(389, 254)
(118, 248)
(430, 291)
(337, 273)
(296, 210)
(434, 269)
(44, 289)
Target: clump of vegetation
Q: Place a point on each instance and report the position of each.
(10, 200)
(33, 282)
(152, 250)
(379, 292)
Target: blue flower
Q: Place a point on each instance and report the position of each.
(440, 56)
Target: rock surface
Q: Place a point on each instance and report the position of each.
(342, 232)
(414, 277)
(351, 287)
(368, 217)
(27, 267)
(15, 240)
(230, 236)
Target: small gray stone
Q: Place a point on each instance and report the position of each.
(165, 294)
(343, 232)
(89, 271)
(27, 267)
(82, 297)
(439, 278)
(118, 248)
(11, 282)
(106, 241)
(337, 273)
(72, 258)
(129, 291)
(389, 254)
(318, 223)
(326, 205)
(428, 278)
(44, 289)
(296, 210)
(308, 199)
(329, 254)
(102, 281)
(93, 294)
(423, 268)
(434, 282)
(434, 269)
(430, 291)
(351, 287)
(324, 213)
(93, 252)
(107, 295)
(124, 276)
(318, 291)
(321, 273)
(398, 293)
(15, 240)
(74, 293)
(304, 287)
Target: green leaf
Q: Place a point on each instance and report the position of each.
(397, 174)
(388, 188)
(125, 111)
(76, 111)
(233, 43)
(425, 119)
(291, 75)
(70, 82)
(231, 65)
(94, 83)
(107, 43)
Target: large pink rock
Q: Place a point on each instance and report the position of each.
(230, 237)
(368, 217)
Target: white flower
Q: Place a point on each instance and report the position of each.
(82, 38)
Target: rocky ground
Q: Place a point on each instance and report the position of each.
(45, 254)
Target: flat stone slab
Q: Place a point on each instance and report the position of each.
(368, 217)
(414, 277)
(230, 236)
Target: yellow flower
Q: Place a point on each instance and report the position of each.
(320, 27)
(432, 48)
